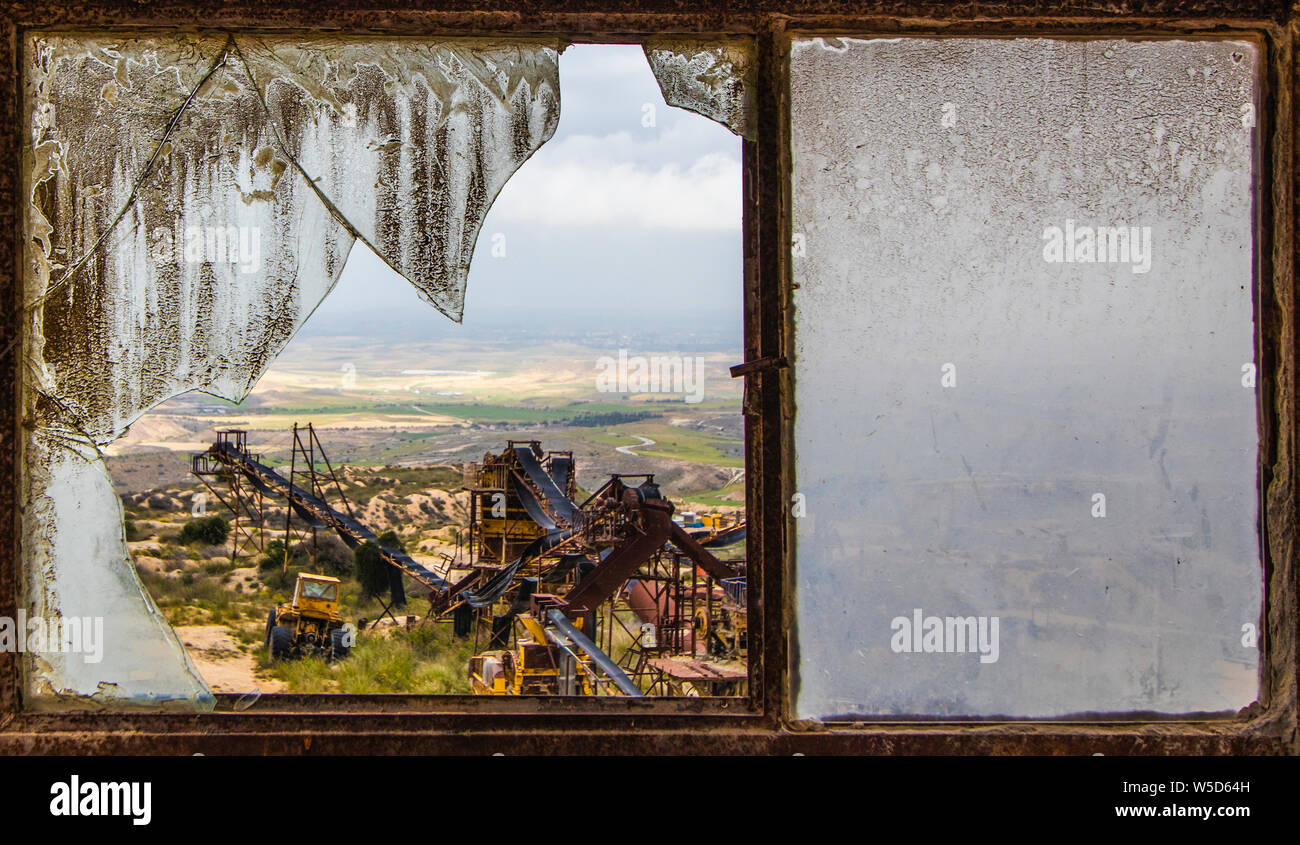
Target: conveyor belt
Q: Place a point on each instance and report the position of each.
(314, 509)
(561, 470)
(536, 512)
(556, 502)
(497, 585)
(614, 570)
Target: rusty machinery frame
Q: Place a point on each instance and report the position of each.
(247, 500)
(398, 724)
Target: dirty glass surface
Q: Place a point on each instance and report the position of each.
(715, 79)
(189, 200)
(1025, 435)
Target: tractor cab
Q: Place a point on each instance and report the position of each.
(316, 594)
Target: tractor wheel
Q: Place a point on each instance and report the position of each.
(281, 643)
(338, 644)
(270, 625)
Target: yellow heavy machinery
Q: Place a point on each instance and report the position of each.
(536, 666)
(551, 657)
(310, 623)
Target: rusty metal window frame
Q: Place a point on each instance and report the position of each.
(384, 724)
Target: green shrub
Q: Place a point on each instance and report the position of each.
(180, 591)
(418, 662)
(333, 557)
(274, 557)
(275, 579)
(210, 530)
(371, 569)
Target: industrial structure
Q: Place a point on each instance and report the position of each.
(618, 566)
(610, 596)
(243, 482)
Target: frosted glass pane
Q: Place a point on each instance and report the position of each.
(1026, 438)
(191, 198)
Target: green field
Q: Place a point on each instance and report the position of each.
(675, 443)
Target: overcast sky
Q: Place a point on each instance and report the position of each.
(611, 219)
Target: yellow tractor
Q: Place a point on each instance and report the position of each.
(311, 623)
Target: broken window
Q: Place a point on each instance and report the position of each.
(1025, 365)
(1024, 304)
(175, 263)
(192, 199)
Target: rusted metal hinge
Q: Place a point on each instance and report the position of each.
(758, 365)
(770, 362)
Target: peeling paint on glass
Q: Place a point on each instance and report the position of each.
(191, 200)
(1026, 438)
(712, 78)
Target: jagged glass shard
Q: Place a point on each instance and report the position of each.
(190, 201)
(410, 141)
(78, 566)
(714, 78)
(221, 253)
(1026, 443)
(100, 109)
(182, 252)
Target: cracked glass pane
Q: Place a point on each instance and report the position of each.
(409, 142)
(378, 404)
(191, 199)
(1026, 438)
(714, 78)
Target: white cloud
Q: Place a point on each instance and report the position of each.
(681, 141)
(564, 191)
(586, 62)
